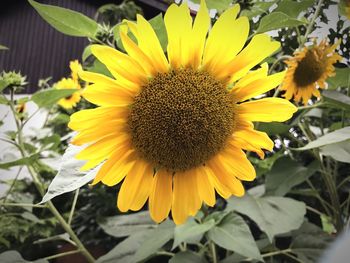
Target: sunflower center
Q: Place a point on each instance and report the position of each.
(181, 119)
(309, 70)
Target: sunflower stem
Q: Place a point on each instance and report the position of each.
(213, 251)
(38, 184)
(312, 22)
(75, 199)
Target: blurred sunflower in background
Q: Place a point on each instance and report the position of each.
(174, 128)
(72, 100)
(75, 66)
(308, 70)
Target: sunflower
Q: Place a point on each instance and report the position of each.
(174, 127)
(75, 66)
(72, 100)
(308, 70)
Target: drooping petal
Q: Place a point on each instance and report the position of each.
(186, 199)
(255, 138)
(267, 110)
(160, 196)
(205, 187)
(131, 185)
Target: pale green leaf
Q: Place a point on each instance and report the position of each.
(219, 5)
(19, 162)
(277, 20)
(191, 230)
(265, 210)
(341, 78)
(336, 99)
(158, 25)
(49, 97)
(329, 138)
(3, 47)
(338, 151)
(293, 8)
(187, 257)
(233, 233)
(67, 21)
(258, 8)
(69, 176)
(125, 225)
(274, 128)
(13, 256)
(3, 84)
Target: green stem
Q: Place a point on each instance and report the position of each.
(73, 206)
(213, 251)
(311, 24)
(41, 189)
(22, 205)
(12, 185)
(310, 106)
(62, 254)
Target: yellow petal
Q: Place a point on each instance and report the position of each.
(205, 188)
(255, 138)
(136, 53)
(258, 87)
(160, 196)
(101, 95)
(86, 119)
(148, 42)
(178, 23)
(219, 186)
(257, 50)
(225, 40)
(239, 143)
(200, 29)
(226, 177)
(235, 160)
(120, 64)
(186, 200)
(253, 75)
(131, 185)
(266, 110)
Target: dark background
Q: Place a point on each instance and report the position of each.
(36, 49)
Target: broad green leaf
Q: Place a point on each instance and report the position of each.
(155, 240)
(125, 225)
(309, 243)
(158, 25)
(21, 161)
(67, 21)
(31, 217)
(100, 68)
(285, 174)
(266, 210)
(257, 9)
(49, 97)
(3, 100)
(3, 84)
(337, 99)
(191, 230)
(329, 138)
(274, 128)
(234, 234)
(86, 53)
(69, 176)
(3, 47)
(293, 8)
(341, 78)
(315, 112)
(187, 257)
(13, 256)
(125, 250)
(338, 151)
(219, 5)
(277, 20)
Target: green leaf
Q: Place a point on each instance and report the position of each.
(341, 78)
(99, 67)
(309, 242)
(219, 5)
(3, 47)
(86, 53)
(191, 230)
(337, 99)
(158, 25)
(266, 210)
(3, 84)
(125, 225)
(22, 161)
(49, 97)
(329, 138)
(13, 256)
(257, 9)
(66, 21)
(293, 8)
(338, 151)
(187, 257)
(277, 20)
(3, 100)
(285, 174)
(274, 128)
(69, 176)
(234, 234)
(125, 250)
(156, 239)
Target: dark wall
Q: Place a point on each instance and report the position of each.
(37, 49)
